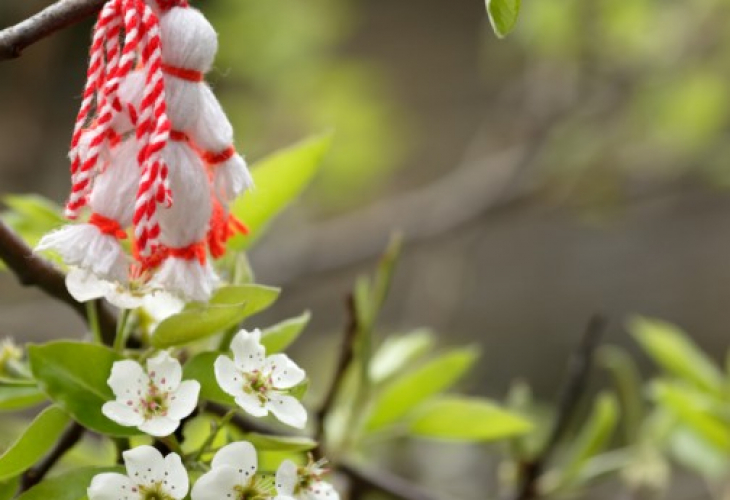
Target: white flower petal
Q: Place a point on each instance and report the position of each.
(176, 477)
(241, 456)
(284, 372)
(320, 490)
(122, 413)
(128, 380)
(84, 286)
(288, 410)
(184, 400)
(110, 486)
(217, 484)
(286, 478)
(159, 426)
(123, 298)
(145, 465)
(248, 351)
(161, 305)
(251, 405)
(165, 371)
(228, 376)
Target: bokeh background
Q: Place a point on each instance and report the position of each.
(579, 166)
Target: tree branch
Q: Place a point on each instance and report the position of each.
(575, 384)
(51, 19)
(73, 433)
(32, 270)
(347, 352)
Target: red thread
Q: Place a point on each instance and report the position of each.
(214, 158)
(189, 75)
(178, 136)
(191, 252)
(108, 226)
(166, 5)
(223, 227)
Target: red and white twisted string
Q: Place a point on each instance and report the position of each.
(109, 65)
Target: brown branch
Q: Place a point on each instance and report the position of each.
(60, 15)
(32, 270)
(344, 360)
(72, 435)
(575, 384)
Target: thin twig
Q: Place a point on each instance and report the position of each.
(32, 270)
(344, 360)
(572, 392)
(51, 19)
(68, 440)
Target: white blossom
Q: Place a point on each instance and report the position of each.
(84, 285)
(259, 383)
(154, 400)
(149, 477)
(303, 483)
(232, 476)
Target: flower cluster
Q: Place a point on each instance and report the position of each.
(233, 475)
(156, 156)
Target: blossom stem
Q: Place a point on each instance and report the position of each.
(213, 434)
(92, 316)
(172, 443)
(120, 339)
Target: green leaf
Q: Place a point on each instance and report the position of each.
(280, 336)
(200, 368)
(672, 350)
(40, 436)
(279, 179)
(460, 418)
(628, 386)
(592, 439)
(9, 487)
(37, 209)
(74, 375)
(18, 397)
(503, 15)
(397, 352)
(70, 485)
(226, 309)
(280, 443)
(411, 389)
(695, 411)
(196, 323)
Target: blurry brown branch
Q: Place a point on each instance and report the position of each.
(32, 270)
(575, 384)
(343, 362)
(57, 16)
(72, 435)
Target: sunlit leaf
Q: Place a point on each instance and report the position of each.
(18, 397)
(460, 418)
(594, 436)
(227, 308)
(673, 350)
(74, 375)
(280, 179)
(40, 436)
(503, 15)
(280, 336)
(397, 352)
(628, 387)
(70, 485)
(9, 487)
(404, 393)
(695, 411)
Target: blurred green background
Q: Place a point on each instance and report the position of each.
(578, 166)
